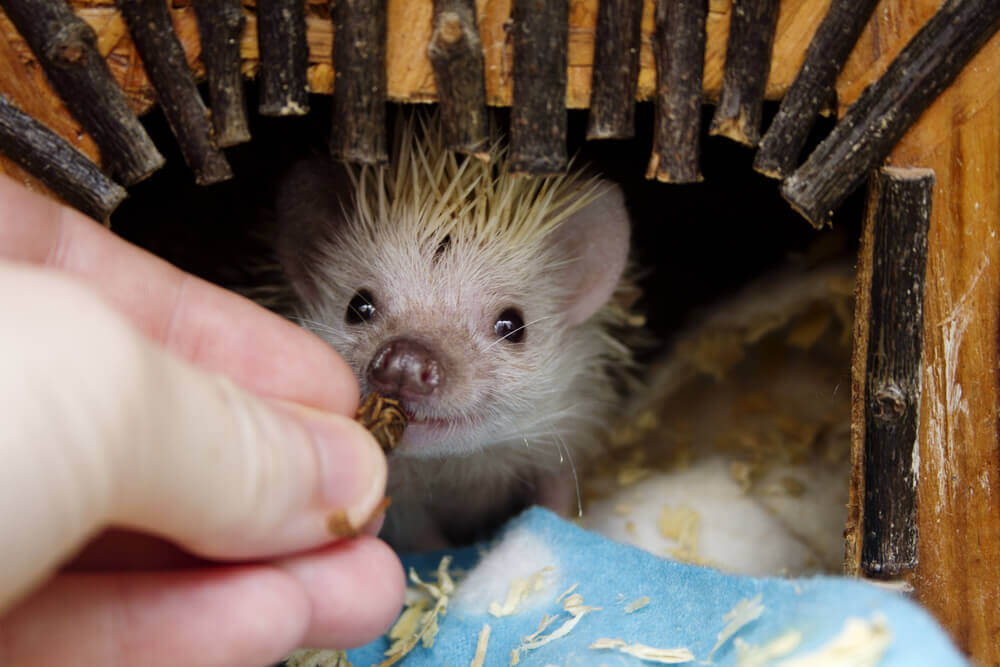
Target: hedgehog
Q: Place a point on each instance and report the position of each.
(489, 304)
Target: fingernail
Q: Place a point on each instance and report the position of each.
(352, 468)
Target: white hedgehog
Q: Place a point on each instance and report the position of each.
(483, 301)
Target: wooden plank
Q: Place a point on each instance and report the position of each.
(956, 577)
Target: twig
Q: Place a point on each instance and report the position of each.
(538, 111)
(616, 70)
(51, 159)
(748, 64)
(359, 132)
(679, 47)
(220, 24)
(284, 57)
(456, 54)
(899, 211)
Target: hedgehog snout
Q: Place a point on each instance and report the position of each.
(407, 369)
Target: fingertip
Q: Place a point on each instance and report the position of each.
(356, 587)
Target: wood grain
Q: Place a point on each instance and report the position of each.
(959, 513)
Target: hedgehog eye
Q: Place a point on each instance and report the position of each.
(509, 326)
(361, 308)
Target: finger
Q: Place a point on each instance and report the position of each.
(107, 428)
(340, 597)
(205, 324)
(347, 603)
(240, 616)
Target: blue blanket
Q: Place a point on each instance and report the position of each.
(688, 607)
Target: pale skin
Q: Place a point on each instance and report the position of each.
(137, 397)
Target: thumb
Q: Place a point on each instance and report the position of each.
(105, 427)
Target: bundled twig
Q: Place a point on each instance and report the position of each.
(813, 86)
(66, 48)
(886, 109)
(153, 33)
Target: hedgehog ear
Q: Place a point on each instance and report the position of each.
(309, 206)
(596, 239)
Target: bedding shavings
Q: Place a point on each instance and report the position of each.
(744, 612)
(752, 655)
(682, 525)
(573, 605)
(860, 643)
(636, 605)
(567, 592)
(519, 589)
(417, 623)
(311, 657)
(481, 644)
(666, 656)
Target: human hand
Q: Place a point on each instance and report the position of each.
(117, 411)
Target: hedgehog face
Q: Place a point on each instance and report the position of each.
(471, 294)
(462, 340)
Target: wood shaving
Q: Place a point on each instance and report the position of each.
(623, 509)
(417, 623)
(682, 525)
(744, 612)
(860, 643)
(310, 657)
(666, 656)
(630, 474)
(636, 605)
(481, 644)
(752, 655)
(567, 592)
(519, 589)
(573, 604)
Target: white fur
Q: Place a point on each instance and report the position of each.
(444, 246)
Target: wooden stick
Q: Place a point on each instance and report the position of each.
(748, 63)
(885, 110)
(813, 86)
(899, 212)
(538, 110)
(220, 24)
(66, 47)
(615, 76)
(456, 55)
(679, 47)
(359, 131)
(51, 159)
(284, 57)
(149, 25)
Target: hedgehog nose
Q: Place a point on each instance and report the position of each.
(405, 368)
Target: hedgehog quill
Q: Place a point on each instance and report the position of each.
(485, 303)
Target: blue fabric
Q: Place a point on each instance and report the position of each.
(686, 608)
